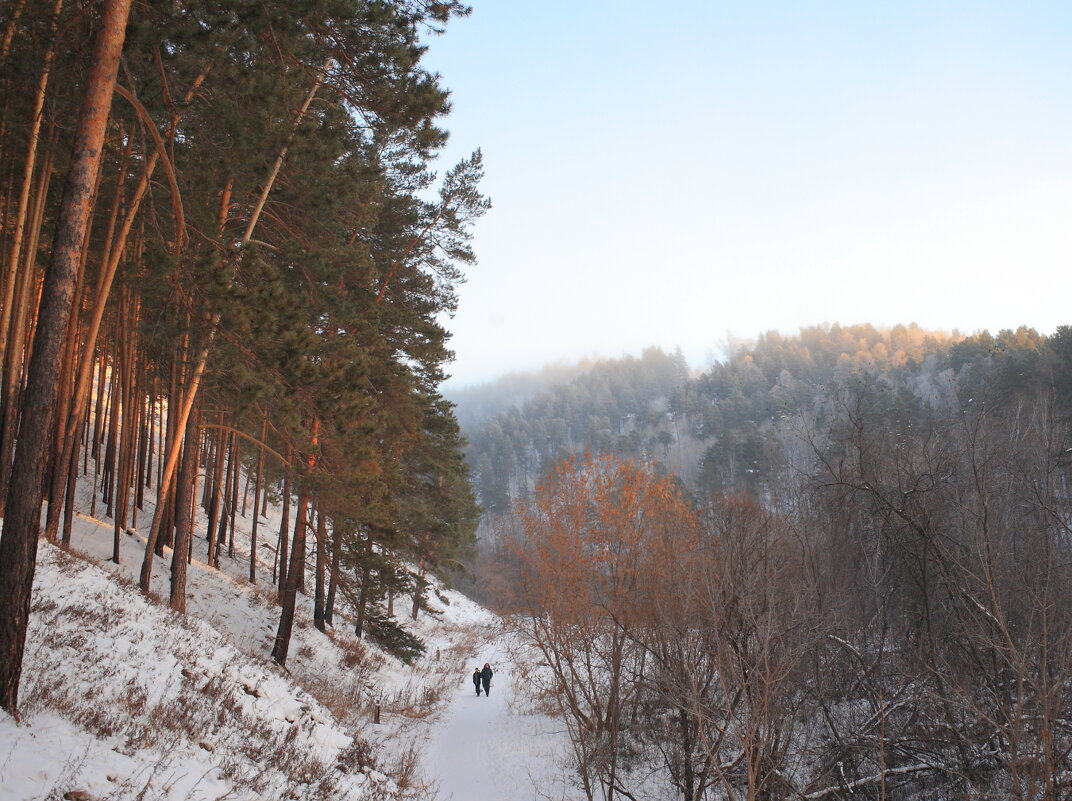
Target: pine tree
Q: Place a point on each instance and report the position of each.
(18, 544)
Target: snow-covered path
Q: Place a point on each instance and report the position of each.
(484, 750)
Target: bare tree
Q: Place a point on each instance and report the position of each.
(589, 537)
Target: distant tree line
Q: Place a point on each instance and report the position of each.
(865, 593)
(616, 406)
(225, 260)
(726, 429)
(742, 409)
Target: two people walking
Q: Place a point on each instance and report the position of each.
(483, 677)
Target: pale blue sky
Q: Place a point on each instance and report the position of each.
(663, 175)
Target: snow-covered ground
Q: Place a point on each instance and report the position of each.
(488, 748)
(124, 699)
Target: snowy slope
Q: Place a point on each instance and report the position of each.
(122, 698)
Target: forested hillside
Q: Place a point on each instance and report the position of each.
(226, 257)
(610, 406)
(744, 410)
(863, 591)
(730, 427)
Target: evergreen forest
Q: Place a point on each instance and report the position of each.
(732, 426)
(226, 262)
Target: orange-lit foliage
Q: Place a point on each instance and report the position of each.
(660, 626)
(599, 539)
(597, 534)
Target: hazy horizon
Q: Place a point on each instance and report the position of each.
(660, 179)
(718, 353)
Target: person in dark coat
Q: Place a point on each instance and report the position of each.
(476, 680)
(485, 678)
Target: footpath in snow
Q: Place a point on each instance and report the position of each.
(486, 749)
(123, 699)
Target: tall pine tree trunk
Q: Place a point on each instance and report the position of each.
(333, 577)
(68, 501)
(366, 582)
(22, 522)
(21, 326)
(321, 570)
(23, 205)
(184, 530)
(215, 501)
(124, 440)
(12, 24)
(111, 449)
(63, 469)
(71, 414)
(232, 509)
(290, 596)
(164, 498)
(221, 525)
(145, 411)
(164, 505)
(101, 362)
(281, 548)
(257, 506)
(419, 585)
